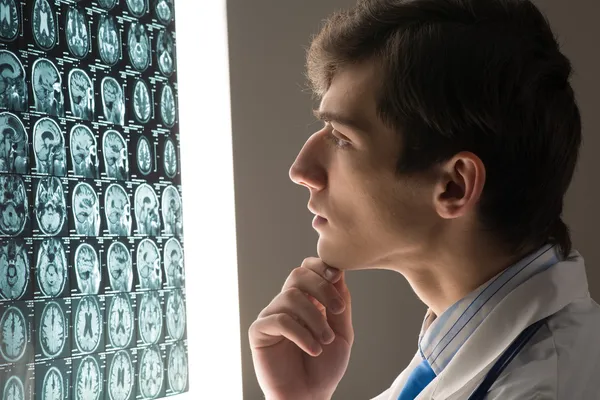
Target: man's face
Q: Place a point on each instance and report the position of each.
(373, 217)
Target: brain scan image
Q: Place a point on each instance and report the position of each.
(113, 101)
(47, 88)
(164, 10)
(146, 210)
(49, 148)
(141, 102)
(77, 32)
(14, 144)
(87, 324)
(148, 265)
(87, 269)
(170, 159)
(43, 25)
(150, 318)
(51, 267)
(118, 210)
(81, 92)
(175, 315)
(109, 41)
(14, 269)
(13, 390)
(9, 20)
(120, 321)
(167, 106)
(121, 377)
(87, 384)
(107, 4)
(50, 206)
(177, 368)
(120, 269)
(13, 205)
(53, 330)
(13, 334)
(53, 386)
(173, 259)
(86, 210)
(137, 7)
(165, 52)
(144, 155)
(84, 152)
(13, 88)
(151, 373)
(171, 211)
(115, 155)
(138, 44)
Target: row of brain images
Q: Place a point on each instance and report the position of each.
(45, 30)
(61, 268)
(86, 214)
(50, 151)
(47, 89)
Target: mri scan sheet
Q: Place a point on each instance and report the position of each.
(92, 246)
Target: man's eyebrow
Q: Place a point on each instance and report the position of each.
(350, 122)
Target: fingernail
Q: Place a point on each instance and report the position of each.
(328, 335)
(330, 273)
(337, 305)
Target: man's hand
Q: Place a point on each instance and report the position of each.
(301, 341)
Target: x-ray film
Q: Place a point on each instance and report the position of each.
(14, 269)
(14, 145)
(146, 211)
(121, 376)
(13, 205)
(13, 88)
(138, 43)
(49, 148)
(87, 324)
(9, 20)
(164, 11)
(86, 210)
(84, 152)
(53, 329)
(171, 211)
(87, 269)
(50, 205)
(167, 106)
(113, 101)
(151, 372)
(43, 24)
(148, 265)
(92, 274)
(51, 267)
(77, 32)
(14, 338)
(81, 93)
(142, 104)
(144, 155)
(165, 52)
(116, 161)
(120, 320)
(177, 368)
(109, 40)
(120, 267)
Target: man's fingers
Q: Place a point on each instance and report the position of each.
(268, 331)
(341, 323)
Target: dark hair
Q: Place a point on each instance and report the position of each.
(485, 76)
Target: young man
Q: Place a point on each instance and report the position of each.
(450, 137)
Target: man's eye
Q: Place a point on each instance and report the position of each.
(339, 142)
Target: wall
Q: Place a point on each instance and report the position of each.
(271, 121)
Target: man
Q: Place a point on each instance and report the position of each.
(450, 137)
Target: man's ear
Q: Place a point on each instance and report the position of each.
(460, 184)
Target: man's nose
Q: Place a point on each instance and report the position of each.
(308, 168)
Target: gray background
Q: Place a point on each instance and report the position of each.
(272, 119)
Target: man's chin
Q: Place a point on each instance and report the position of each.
(340, 257)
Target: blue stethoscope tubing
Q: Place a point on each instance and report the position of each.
(506, 357)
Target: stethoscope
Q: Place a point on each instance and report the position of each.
(504, 360)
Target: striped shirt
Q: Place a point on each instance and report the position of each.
(442, 337)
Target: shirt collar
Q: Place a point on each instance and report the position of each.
(442, 337)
